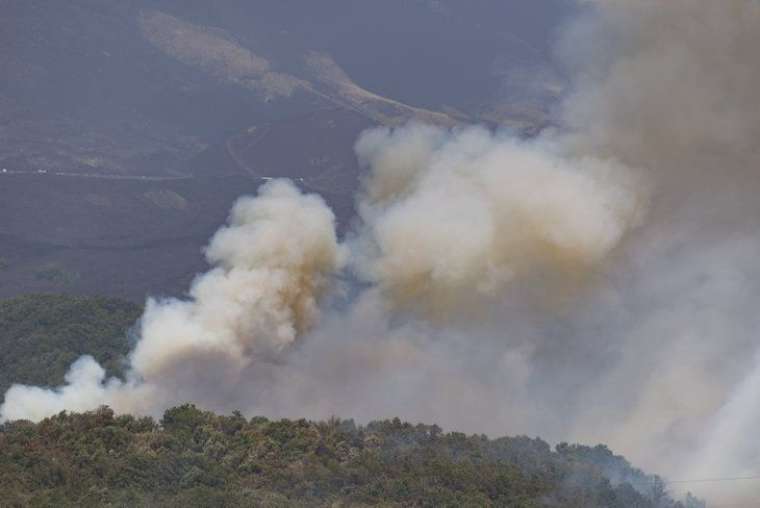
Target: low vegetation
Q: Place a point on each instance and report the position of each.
(42, 335)
(194, 458)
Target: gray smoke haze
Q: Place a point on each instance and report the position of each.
(452, 218)
(670, 87)
(599, 283)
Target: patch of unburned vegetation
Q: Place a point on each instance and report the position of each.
(166, 199)
(56, 274)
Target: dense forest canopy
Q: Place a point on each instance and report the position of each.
(196, 458)
(41, 335)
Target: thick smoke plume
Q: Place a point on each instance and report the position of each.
(671, 87)
(272, 262)
(611, 266)
(455, 217)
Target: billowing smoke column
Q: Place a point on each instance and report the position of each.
(456, 221)
(453, 218)
(671, 87)
(272, 262)
(599, 283)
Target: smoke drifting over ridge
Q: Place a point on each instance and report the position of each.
(671, 87)
(645, 198)
(272, 262)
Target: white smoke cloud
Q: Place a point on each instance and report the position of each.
(454, 216)
(468, 214)
(272, 262)
(84, 390)
(640, 213)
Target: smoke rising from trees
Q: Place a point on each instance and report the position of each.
(598, 283)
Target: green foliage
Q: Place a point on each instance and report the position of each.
(196, 458)
(41, 335)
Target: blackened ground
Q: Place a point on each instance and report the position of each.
(134, 236)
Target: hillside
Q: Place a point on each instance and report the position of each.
(129, 127)
(40, 335)
(196, 458)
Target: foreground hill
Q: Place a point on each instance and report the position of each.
(196, 458)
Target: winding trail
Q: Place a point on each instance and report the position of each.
(43, 173)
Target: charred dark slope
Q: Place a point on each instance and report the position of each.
(428, 53)
(89, 92)
(94, 236)
(91, 96)
(89, 88)
(132, 236)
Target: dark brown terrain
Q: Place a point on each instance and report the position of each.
(136, 235)
(128, 128)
